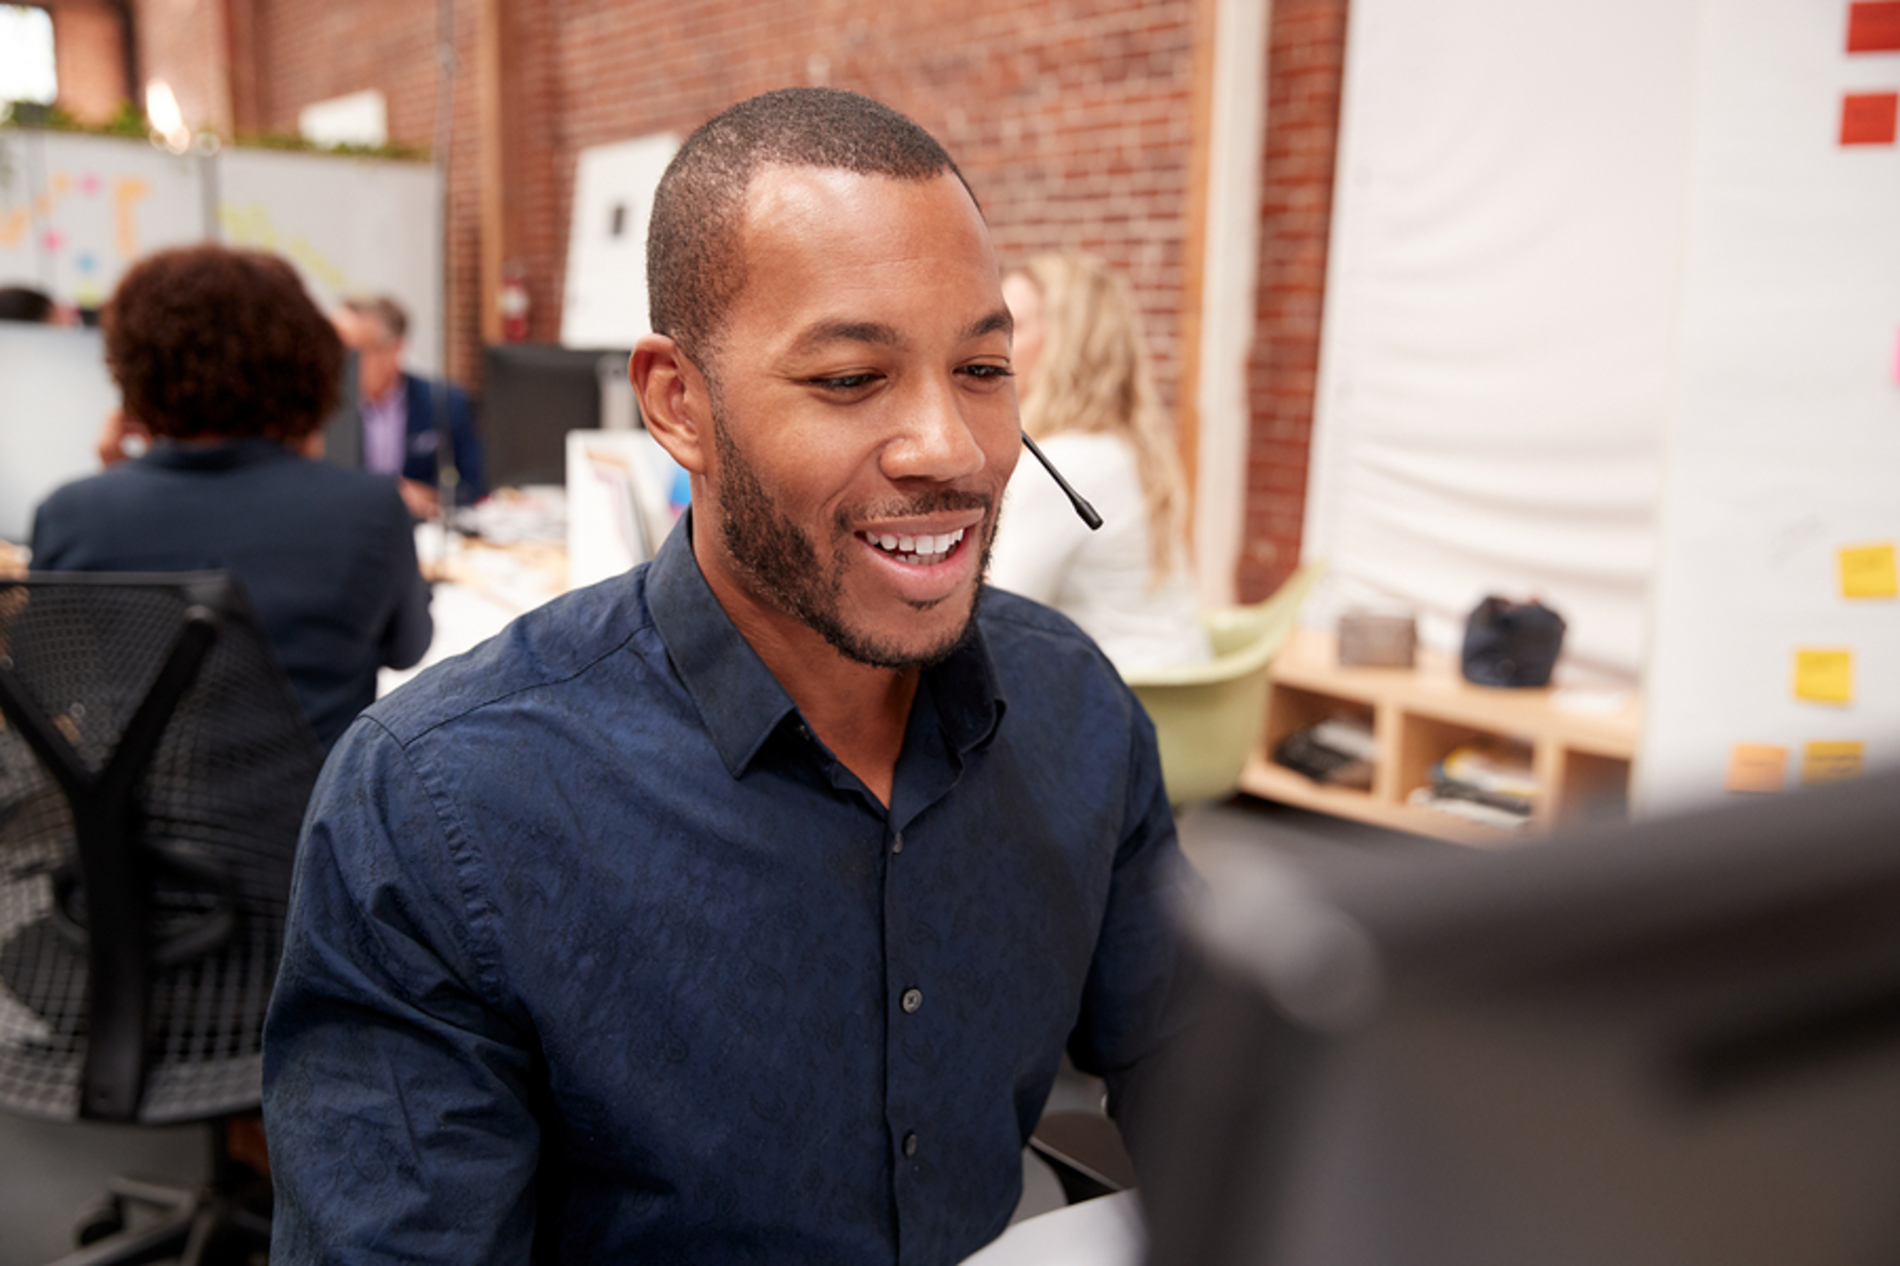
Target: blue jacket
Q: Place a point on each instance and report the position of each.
(419, 448)
(327, 556)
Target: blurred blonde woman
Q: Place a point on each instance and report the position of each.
(1089, 402)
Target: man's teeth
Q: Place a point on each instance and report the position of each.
(914, 548)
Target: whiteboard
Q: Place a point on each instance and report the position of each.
(604, 300)
(1784, 437)
(76, 211)
(352, 226)
(55, 395)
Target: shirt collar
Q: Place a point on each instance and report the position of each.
(740, 701)
(394, 395)
(225, 455)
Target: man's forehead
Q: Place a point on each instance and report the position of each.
(357, 327)
(816, 244)
(824, 332)
(788, 195)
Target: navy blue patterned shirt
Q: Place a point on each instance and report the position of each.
(596, 954)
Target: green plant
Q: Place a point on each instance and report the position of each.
(129, 121)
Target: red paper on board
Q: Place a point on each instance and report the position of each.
(1873, 26)
(1870, 118)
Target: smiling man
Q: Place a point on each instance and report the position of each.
(741, 908)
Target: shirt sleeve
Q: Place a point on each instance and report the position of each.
(397, 1088)
(1038, 534)
(1139, 999)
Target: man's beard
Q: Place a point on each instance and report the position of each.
(785, 563)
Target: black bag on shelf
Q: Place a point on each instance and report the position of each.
(1511, 644)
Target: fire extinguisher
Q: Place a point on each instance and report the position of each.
(513, 301)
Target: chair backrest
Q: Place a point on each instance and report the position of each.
(154, 768)
(1209, 717)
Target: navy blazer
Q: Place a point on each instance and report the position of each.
(419, 446)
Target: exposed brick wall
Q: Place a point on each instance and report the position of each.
(311, 52)
(1070, 118)
(89, 57)
(1306, 57)
(243, 64)
(187, 44)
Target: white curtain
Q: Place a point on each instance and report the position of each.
(1495, 361)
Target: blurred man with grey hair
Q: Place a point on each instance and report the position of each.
(402, 414)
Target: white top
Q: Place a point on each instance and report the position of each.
(1101, 580)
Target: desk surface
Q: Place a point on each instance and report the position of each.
(1104, 1232)
(477, 590)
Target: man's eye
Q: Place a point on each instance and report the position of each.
(843, 382)
(989, 371)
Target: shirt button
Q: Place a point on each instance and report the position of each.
(897, 841)
(910, 1143)
(912, 999)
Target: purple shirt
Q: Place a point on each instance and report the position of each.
(385, 425)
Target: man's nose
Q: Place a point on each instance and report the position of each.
(935, 437)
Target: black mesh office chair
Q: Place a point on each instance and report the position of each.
(154, 769)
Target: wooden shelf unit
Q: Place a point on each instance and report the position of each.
(1420, 714)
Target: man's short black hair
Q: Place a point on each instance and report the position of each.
(694, 265)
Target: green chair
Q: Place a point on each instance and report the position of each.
(1208, 717)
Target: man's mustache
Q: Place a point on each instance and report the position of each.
(936, 501)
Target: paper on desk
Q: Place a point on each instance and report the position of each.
(464, 618)
(1104, 1232)
(1593, 701)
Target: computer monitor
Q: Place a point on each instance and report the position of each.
(55, 396)
(343, 429)
(1678, 1042)
(533, 395)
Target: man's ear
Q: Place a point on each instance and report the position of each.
(674, 401)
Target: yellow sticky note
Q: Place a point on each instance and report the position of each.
(1824, 676)
(1831, 762)
(1867, 571)
(1757, 767)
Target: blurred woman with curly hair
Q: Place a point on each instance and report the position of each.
(224, 362)
(1089, 402)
